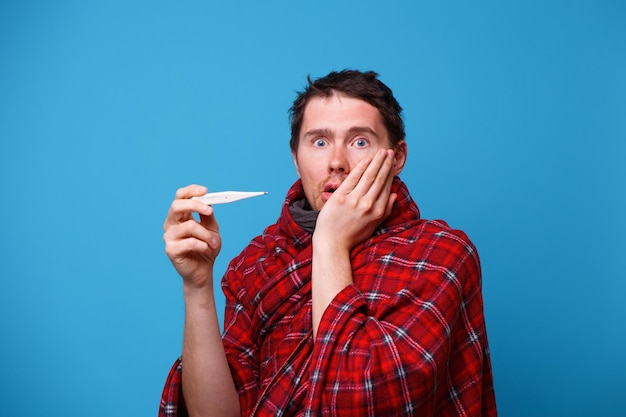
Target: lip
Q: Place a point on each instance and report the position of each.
(328, 191)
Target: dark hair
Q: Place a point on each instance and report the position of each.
(356, 84)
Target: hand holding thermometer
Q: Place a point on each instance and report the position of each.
(223, 197)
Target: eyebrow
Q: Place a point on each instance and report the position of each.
(353, 130)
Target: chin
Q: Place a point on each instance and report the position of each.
(317, 206)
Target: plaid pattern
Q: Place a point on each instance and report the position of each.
(408, 338)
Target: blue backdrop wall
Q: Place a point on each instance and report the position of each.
(516, 120)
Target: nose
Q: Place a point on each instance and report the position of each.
(339, 163)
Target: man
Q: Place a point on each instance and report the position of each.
(350, 304)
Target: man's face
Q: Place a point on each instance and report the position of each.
(337, 132)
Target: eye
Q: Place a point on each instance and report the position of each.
(361, 142)
(319, 142)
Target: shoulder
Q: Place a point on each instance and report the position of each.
(439, 233)
(452, 252)
(426, 235)
(429, 245)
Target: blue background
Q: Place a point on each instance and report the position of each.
(516, 122)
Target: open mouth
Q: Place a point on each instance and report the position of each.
(329, 189)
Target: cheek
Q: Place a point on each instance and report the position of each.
(356, 155)
(308, 176)
(310, 167)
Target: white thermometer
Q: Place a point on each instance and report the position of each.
(224, 197)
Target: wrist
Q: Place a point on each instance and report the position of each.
(199, 295)
(329, 244)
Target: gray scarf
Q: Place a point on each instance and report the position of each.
(303, 214)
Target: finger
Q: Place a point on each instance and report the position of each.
(181, 210)
(376, 181)
(209, 222)
(180, 248)
(191, 229)
(190, 191)
(392, 199)
(353, 178)
(384, 176)
(388, 171)
(184, 241)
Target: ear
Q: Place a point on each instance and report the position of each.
(400, 153)
(295, 163)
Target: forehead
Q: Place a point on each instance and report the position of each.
(340, 111)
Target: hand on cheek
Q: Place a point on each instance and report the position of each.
(360, 204)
